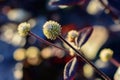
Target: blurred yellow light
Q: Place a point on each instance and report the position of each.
(58, 52)
(18, 74)
(88, 71)
(34, 61)
(97, 39)
(32, 22)
(10, 35)
(18, 15)
(117, 74)
(18, 66)
(19, 54)
(18, 40)
(46, 53)
(63, 6)
(95, 6)
(32, 52)
(7, 35)
(9, 26)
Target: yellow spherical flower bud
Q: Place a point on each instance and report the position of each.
(51, 29)
(23, 29)
(72, 35)
(106, 54)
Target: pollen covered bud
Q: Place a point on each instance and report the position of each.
(106, 54)
(72, 35)
(23, 29)
(51, 29)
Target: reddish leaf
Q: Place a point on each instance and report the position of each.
(67, 28)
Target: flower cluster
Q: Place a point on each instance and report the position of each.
(51, 29)
(72, 35)
(23, 29)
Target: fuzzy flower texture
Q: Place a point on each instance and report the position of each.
(72, 35)
(51, 29)
(23, 29)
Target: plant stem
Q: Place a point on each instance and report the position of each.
(114, 16)
(117, 64)
(79, 53)
(40, 39)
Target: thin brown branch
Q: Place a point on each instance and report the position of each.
(45, 41)
(85, 59)
(113, 61)
(110, 11)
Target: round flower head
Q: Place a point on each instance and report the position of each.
(72, 35)
(51, 29)
(106, 54)
(23, 29)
